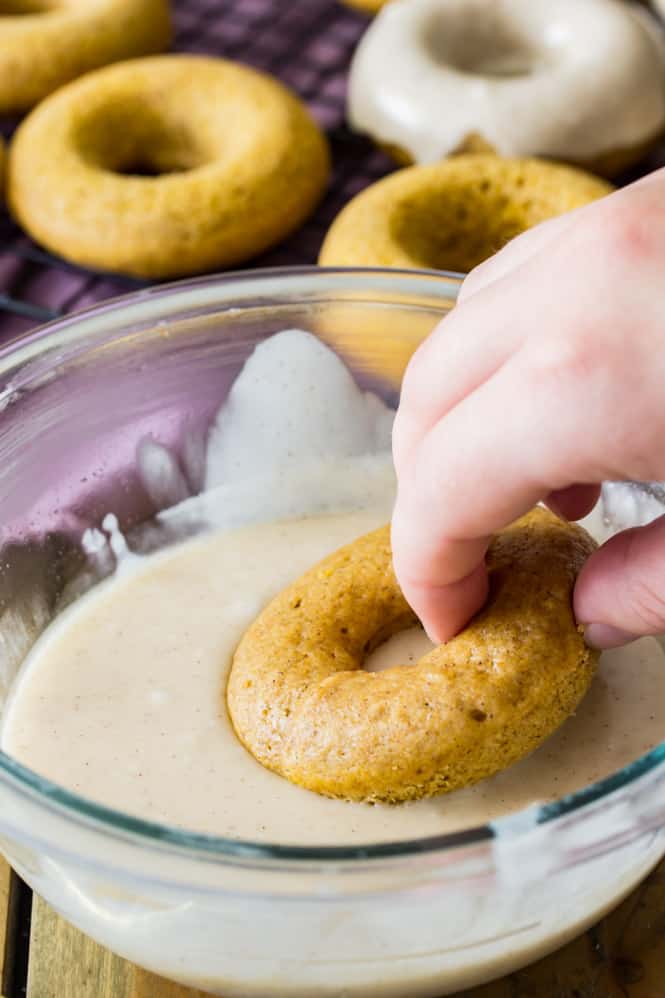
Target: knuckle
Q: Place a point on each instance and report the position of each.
(474, 281)
(404, 442)
(417, 381)
(564, 360)
(643, 589)
(416, 370)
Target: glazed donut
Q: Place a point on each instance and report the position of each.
(454, 214)
(578, 82)
(239, 164)
(302, 704)
(54, 41)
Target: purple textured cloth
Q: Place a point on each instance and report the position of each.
(305, 43)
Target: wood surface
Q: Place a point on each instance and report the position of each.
(621, 957)
(6, 926)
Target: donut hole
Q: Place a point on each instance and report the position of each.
(144, 167)
(136, 139)
(403, 645)
(491, 45)
(458, 226)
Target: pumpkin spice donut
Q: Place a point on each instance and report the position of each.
(454, 214)
(302, 704)
(46, 43)
(166, 166)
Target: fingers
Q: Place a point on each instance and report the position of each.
(463, 352)
(461, 600)
(456, 495)
(521, 396)
(472, 342)
(620, 593)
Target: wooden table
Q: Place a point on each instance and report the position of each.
(621, 957)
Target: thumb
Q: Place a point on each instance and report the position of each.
(620, 592)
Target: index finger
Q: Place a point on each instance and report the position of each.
(453, 496)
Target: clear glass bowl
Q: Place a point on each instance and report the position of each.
(424, 917)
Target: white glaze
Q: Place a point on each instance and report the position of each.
(569, 79)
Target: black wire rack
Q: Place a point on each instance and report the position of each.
(305, 43)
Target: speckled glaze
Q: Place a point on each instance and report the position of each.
(46, 44)
(233, 162)
(454, 214)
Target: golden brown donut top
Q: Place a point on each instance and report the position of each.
(46, 43)
(454, 214)
(185, 163)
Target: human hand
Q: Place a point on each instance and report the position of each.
(546, 379)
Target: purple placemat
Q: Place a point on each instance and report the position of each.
(308, 45)
(305, 43)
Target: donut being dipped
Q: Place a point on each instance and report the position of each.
(579, 82)
(302, 704)
(166, 166)
(46, 43)
(454, 214)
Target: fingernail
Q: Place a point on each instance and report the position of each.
(605, 636)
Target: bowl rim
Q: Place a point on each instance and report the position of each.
(68, 331)
(218, 289)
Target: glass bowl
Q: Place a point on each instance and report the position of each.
(237, 918)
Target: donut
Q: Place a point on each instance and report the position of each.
(454, 214)
(54, 41)
(166, 166)
(302, 704)
(578, 82)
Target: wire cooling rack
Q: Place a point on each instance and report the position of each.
(305, 43)
(308, 45)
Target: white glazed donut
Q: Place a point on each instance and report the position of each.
(577, 80)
